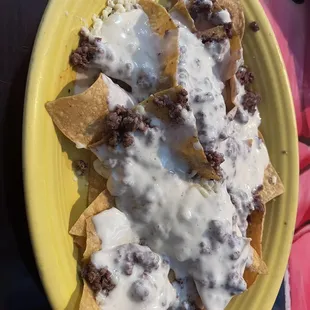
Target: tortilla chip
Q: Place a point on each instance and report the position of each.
(227, 97)
(197, 159)
(235, 56)
(160, 112)
(233, 83)
(96, 183)
(159, 19)
(102, 202)
(257, 267)
(80, 241)
(93, 242)
(190, 147)
(169, 60)
(181, 9)
(80, 117)
(255, 233)
(163, 25)
(88, 301)
(235, 9)
(255, 230)
(273, 186)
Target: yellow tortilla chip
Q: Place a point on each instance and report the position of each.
(255, 233)
(235, 9)
(227, 97)
(197, 158)
(159, 19)
(96, 183)
(160, 112)
(102, 202)
(233, 88)
(181, 9)
(88, 301)
(257, 267)
(80, 241)
(190, 147)
(235, 56)
(80, 117)
(255, 229)
(163, 25)
(273, 186)
(169, 59)
(93, 242)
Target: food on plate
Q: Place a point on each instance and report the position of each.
(179, 175)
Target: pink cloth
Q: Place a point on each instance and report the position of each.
(292, 29)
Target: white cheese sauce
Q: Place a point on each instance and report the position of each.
(129, 51)
(140, 277)
(195, 227)
(199, 72)
(221, 17)
(113, 228)
(199, 225)
(201, 69)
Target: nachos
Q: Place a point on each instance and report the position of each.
(179, 174)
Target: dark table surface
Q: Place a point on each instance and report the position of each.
(20, 286)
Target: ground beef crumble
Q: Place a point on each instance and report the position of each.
(254, 26)
(211, 35)
(199, 7)
(257, 199)
(98, 279)
(244, 76)
(174, 107)
(80, 167)
(85, 52)
(215, 159)
(228, 29)
(250, 101)
(120, 123)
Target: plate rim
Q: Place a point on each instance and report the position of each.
(30, 106)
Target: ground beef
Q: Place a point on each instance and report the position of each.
(199, 8)
(257, 199)
(229, 30)
(145, 80)
(241, 117)
(120, 123)
(207, 37)
(244, 76)
(254, 26)
(215, 159)
(174, 107)
(250, 101)
(98, 279)
(80, 167)
(85, 52)
(149, 261)
(235, 283)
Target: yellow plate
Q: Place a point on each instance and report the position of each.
(55, 199)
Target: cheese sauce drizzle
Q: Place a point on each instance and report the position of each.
(193, 226)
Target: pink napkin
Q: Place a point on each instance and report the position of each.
(292, 29)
